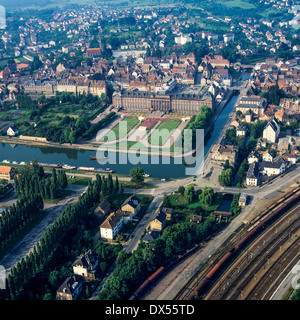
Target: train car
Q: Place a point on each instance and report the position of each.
(156, 274)
(213, 271)
(201, 286)
(142, 288)
(225, 259)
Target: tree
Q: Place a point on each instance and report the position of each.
(72, 137)
(226, 176)
(181, 190)
(137, 175)
(207, 196)
(189, 193)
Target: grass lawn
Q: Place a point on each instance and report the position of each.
(129, 184)
(217, 201)
(61, 195)
(158, 137)
(131, 123)
(82, 181)
(179, 200)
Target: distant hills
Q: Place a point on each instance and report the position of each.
(19, 4)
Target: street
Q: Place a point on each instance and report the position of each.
(51, 213)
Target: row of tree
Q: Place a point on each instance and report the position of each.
(99, 125)
(48, 252)
(17, 216)
(197, 122)
(32, 180)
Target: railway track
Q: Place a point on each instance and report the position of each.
(266, 286)
(234, 281)
(187, 292)
(266, 215)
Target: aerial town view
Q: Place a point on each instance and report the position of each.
(150, 151)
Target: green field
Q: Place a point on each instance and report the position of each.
(158, 135)
(239, 4)
(119, 134)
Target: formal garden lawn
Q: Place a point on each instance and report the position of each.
(158, 135)
(119, 132)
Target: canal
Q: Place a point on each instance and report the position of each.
(81, 158)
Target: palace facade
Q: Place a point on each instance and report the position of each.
(138, 101)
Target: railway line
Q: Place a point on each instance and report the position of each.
(240, 279)
(187, 291)
(207, 275)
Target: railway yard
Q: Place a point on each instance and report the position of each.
(252, 263)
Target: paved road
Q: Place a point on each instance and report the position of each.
(150, 214)
(52, 213)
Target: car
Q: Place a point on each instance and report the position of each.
(131, 236)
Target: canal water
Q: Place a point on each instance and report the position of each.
(81, 158)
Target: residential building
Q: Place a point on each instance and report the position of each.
(277, 166)
(12, 131)
(221, 153)
(111, 226)
(86, 266)
(252, 175)
(168, 212)
(7, 173)
(159, 222)
(267, 156)
(228, 37)
(103, 208)
(271, 131)
(70, 289)
(195, 218)
(132, 204)
(253, 157)
(240, 131)
(151, 235)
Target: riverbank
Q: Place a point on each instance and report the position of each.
(134, 148)
(168, 168)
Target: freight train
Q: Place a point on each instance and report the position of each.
(159, 272)
(252, 232)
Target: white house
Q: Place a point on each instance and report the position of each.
(240, 131)
(271, 131)
(277, 166)
(111, 226)
(267, 156)
(183, 39)
(114, 223)
(86, 265)
(253, 157)
(12, 131)
(228, 37)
